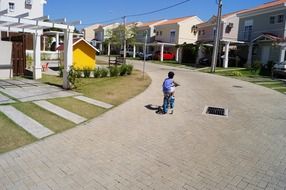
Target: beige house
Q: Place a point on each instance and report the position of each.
(229, 26)
(89, 32)
(101, 33)
(176, 31)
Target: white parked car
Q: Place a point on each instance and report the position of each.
(279, 69)
(129, 52)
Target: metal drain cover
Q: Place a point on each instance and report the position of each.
(215, 111)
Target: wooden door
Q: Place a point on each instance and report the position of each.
(18, 53)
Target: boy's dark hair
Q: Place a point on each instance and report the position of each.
(171, 75)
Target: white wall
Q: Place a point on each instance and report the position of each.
(5, 59)
(36, 10)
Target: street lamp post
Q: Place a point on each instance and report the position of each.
(217, 37)
(145, 49)
(124, 39)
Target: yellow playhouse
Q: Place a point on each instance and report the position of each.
(84, 54)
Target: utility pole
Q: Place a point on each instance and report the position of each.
(124, 39)
(217, 37)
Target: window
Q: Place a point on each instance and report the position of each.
(11, 6)
(280, 18)
(199, 32)
(172, 36)
(203, 32)
(214, 32)
(161, 33)
(272, 19)
(28, 4)
(157, 33)
(247, 33)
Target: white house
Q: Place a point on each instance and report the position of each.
(35, 8)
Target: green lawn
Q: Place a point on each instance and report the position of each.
(12, 136)
(247, 75)
(46, 118)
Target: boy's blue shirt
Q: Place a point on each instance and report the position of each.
(167, 84)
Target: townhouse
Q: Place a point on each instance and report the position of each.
(101, 33)
(228, 36)
(263, 29)
(175, 32)
(88, 32)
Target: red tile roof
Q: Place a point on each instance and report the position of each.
(175, 20)
(266, 5)
(149, 23)
(75, 40)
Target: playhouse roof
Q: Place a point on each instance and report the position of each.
(75, 41)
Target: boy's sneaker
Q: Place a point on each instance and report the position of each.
(172, 111)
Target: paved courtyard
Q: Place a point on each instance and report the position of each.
(131, 147)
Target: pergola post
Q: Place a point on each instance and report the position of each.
(100, 47)
(162, 53)
(177, 54)
(282, 54)
(226, 53)
(134, 51)
(57, 39)
(200, 54)
(108, 49)
(249, 57)
(68, 56)
(37, 70)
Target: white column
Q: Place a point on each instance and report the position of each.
(177, 54)
(108, 49)
(162, 53)
(282, 54)
(226, 52)
(44, 43)
(134, 51)
(249, 57)
(37, 70)
(200, 54)
(57, 39)
(68, 56)
(100, 47)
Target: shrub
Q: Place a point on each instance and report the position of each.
(129, 69)
(72, 77)
(86, 72)
(29, 62)
(78, 73)
(96, 73)
(266, 70)
(61, 70)
(236, 74)
(255, 66)
(113, 71)
(123, 70)
(103, 72)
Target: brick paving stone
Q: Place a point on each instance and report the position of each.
(186, 150)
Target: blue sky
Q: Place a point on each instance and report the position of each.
(95, 11)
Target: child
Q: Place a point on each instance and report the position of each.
(169, 91)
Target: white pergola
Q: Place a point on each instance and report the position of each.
(35, 26)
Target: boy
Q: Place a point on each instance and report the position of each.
(169, 90)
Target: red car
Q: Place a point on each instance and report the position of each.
(166, 55)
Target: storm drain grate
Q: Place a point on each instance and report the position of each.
(215, 111)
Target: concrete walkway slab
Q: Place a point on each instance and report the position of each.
(94, 102)
(30, 125)
(33, 93)
(60, 111)
(5, 100)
